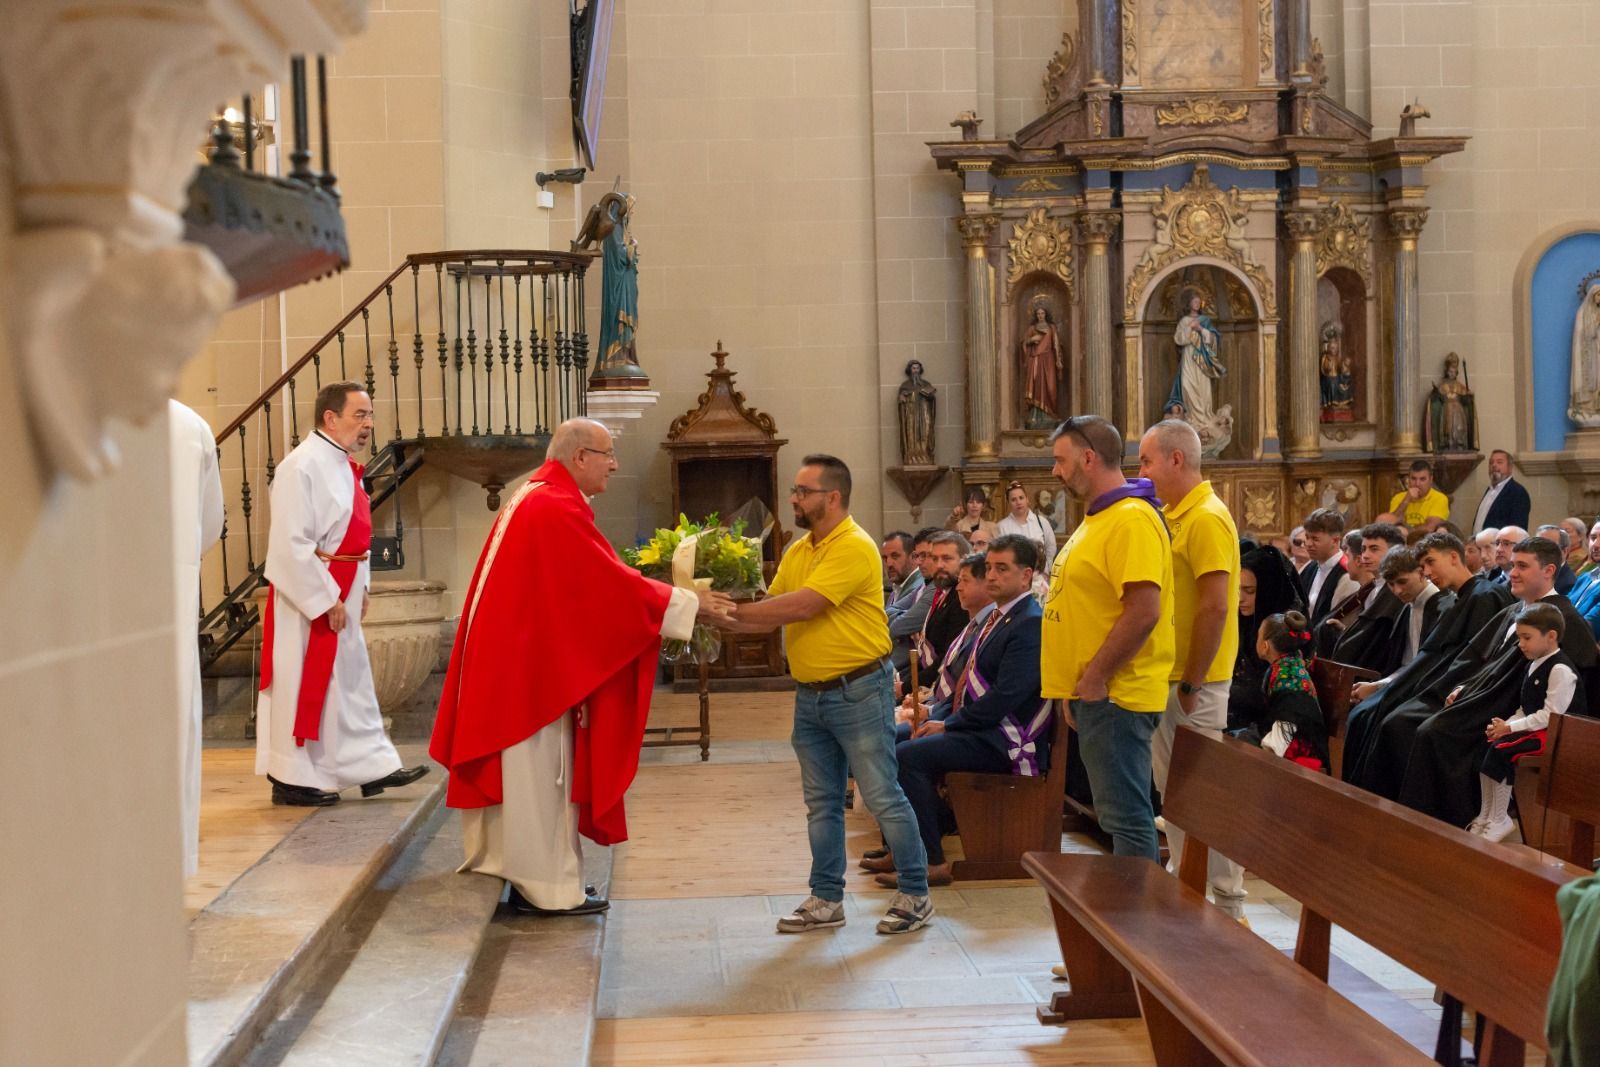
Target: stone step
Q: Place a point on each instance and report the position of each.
(387, 993)
(535, 987)
(254, 948)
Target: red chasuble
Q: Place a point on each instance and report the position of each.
(553, 621)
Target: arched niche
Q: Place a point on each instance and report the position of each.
(1029, 362)
(1550, 284)
(1230, 301)
(1342, 310)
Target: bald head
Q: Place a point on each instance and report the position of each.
(583, 446)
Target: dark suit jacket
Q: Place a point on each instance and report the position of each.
(1566, 578)
(1009, 660)
(1364, 641)
(1510, 508)
(943, 626)
(1324, 602)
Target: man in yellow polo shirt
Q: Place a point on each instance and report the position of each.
(1420, 501)
(1205, 595)
(1107, 637)
(828, 597)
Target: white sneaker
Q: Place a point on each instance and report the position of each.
(1499, 829)
(906, 913)
(814, 913)
(1476, 825)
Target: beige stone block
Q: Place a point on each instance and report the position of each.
(791, 32)
(821, 157)
(961, 71)
(679, 77)
(367, 231)
(393, 174)
(941, 27)
(356, 112)
(761, 77)
(395, 42)
(1567, 68)
(1405, 65)
(313, 309)
(908, 69)
(241, 324)
(409, 5)
(888, 27)
(415, 107)
(1425, 24)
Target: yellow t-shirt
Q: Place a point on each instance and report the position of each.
(1433, 506)
(1204, 541)
(1124, 543)
(846, 569)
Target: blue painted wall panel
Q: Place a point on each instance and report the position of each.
(1555, 299)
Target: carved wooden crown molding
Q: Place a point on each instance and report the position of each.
(1199, 220)
(1058, 71)
(1408, 221)
(1040, 243)
(1206, 111)
(1345, 240)
(101, 105)
(720, 415)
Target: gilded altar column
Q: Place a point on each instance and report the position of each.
(1095, 230)
(1406, 224)
(1305, 408)
(983, 423)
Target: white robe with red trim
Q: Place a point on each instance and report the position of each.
(312, 496)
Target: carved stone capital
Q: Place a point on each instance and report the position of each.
(1302, 225)
(976, 229)
(102, 106)
(1407, 222)
(1097, 227)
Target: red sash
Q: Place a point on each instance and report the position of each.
(323, 643)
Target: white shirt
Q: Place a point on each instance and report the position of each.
(1557, 697)
(1414, 637)
(1324, 568)
(1490, 494)
(1034, 528)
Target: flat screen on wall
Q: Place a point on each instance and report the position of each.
(591, 45)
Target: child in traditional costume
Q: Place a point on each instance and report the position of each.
(1295, 726)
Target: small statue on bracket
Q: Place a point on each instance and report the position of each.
(916, 402)
(1452, 418)
(968, 122)
(1338, 388)
(1409, 116)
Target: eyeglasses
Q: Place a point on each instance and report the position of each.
(609, 453)
(804, 491)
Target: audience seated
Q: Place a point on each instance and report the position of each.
(906, 619)
(1577, 543)
(1508, 538)
(1585, 595)
(1401, 572)
(1428, 676)
(946, 616)
(1297, 555)
(1325, 580)
(1566, 577)
(1358, 629)
(995, 721)
(1268, 586)
(1482, 549)
(973, 592)
(968, 521)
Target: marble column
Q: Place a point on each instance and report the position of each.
(1095, 230)
(1406, 224)
(1095, 33)
(1300, 70)
(1305, 407)
(983, 421)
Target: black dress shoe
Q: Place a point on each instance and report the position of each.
(300, 796)
(404, 776)
(592, 905)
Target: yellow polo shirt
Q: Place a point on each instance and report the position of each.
(1204, 541)
(846, 569)
(1124, 543)
(1433, 506)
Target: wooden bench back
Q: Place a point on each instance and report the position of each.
(1570, 783)
(1475, 917)
(1333, 681)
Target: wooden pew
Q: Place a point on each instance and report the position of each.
(1558, 791)
(1333, 681)
(1473, 917)
(1001, 816)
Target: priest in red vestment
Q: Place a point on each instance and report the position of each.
(544, 704)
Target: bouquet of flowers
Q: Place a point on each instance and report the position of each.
(703, 555)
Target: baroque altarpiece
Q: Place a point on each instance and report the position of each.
(1194, 227)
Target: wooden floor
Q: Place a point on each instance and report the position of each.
(238, 823)
(913, 1036)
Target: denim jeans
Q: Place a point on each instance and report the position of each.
(1115, 746)
(838, 731)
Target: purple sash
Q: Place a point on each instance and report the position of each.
(1022, 736)
(944, 686)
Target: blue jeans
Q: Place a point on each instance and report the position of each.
(839, 731)
(1114, 744)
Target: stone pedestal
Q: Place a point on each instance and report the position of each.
(402, 632)
(1580, 465)
(618, 408)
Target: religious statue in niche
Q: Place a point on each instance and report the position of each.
(1198, 366)
(1452, 419)
(608, 224)
(1042, 364)
(1338, 384)
(1585, 405)
(915, 401)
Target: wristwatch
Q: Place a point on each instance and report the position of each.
(1186, 689)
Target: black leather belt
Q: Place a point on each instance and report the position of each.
(844, 679)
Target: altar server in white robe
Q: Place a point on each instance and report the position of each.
(318, 727)
(196, 526)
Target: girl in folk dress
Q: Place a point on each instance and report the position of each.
(1296, 731)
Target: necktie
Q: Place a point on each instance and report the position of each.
(972, 662)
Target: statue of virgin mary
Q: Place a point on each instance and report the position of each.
(1198, 366)
(1585, 408)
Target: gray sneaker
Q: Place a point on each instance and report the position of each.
(906, 913)
(814, 913)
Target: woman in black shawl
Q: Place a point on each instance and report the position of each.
(1267, 586)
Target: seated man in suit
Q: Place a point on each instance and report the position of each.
(995, 722)
(1566, 577)
(1357, 630)
(946, 617)
(1505, 540)
(973, 592)
(1401, 573)
(1325, 581)
(907, 616)
(1585, 595)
